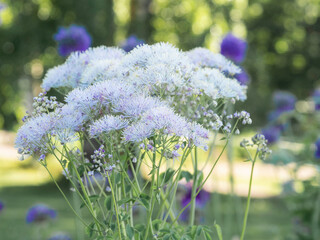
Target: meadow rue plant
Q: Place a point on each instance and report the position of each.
(71, 39)
(40, 213)
(153, 108)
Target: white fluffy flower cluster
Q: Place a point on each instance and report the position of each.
(132, 94)
(101, 109)
(158, 68)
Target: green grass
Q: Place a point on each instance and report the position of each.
(268, 218)
(18, 200)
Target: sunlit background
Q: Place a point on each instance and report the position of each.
(283, 53)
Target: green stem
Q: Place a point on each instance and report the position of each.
(194, 188)
(64, 196)
(87, 199)
(202, 184)
(115, 206)
(153, 199)
(248, 201)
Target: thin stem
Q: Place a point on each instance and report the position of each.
(153, 199)
(194, 188)
(64, 196)
(248, 199)
(202, 184)
(115, 206)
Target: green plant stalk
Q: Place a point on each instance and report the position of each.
(153, 199)
(183, 158)
(194, 188)
(89, 205)
(101, 192)
(64, 196)
(202, 184)
(245, 219)
(79, 227)
(76, 189)
(115, 206)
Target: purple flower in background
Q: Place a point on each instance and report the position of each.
(272, 133)
(316, 99)
(243, 77)
(1, 206)
(73, 38)
(131, 42)
(201, 199)
(40, 213)
(60, 236)
(233, 48)
(284, 101)
(317, 153)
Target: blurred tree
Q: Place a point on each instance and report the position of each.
(286, 36)
(283, 39)
(27, 48)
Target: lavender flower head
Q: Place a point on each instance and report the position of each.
(40, 213)
(1, 206)
(71, 39)
(317, 152)
(316, 99)
(131, 42)
(272, 133)
(60, 236)
(233, 48)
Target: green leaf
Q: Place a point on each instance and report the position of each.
(64, 163)
(156, 224)
(187, 175)
(70, 169)
(93, 198)
(128, 187)
(219, 232)
(117, 178)
(130, 231)
(207, 236)
(140, 227)
(145, 203)
(90, 229)
(81, 170)
(199, 178)
(167, 175)
(125, 200)
(142, 155)
(198, 231)
(107, 202)
(123, 156)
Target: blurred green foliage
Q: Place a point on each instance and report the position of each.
(283, 38)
